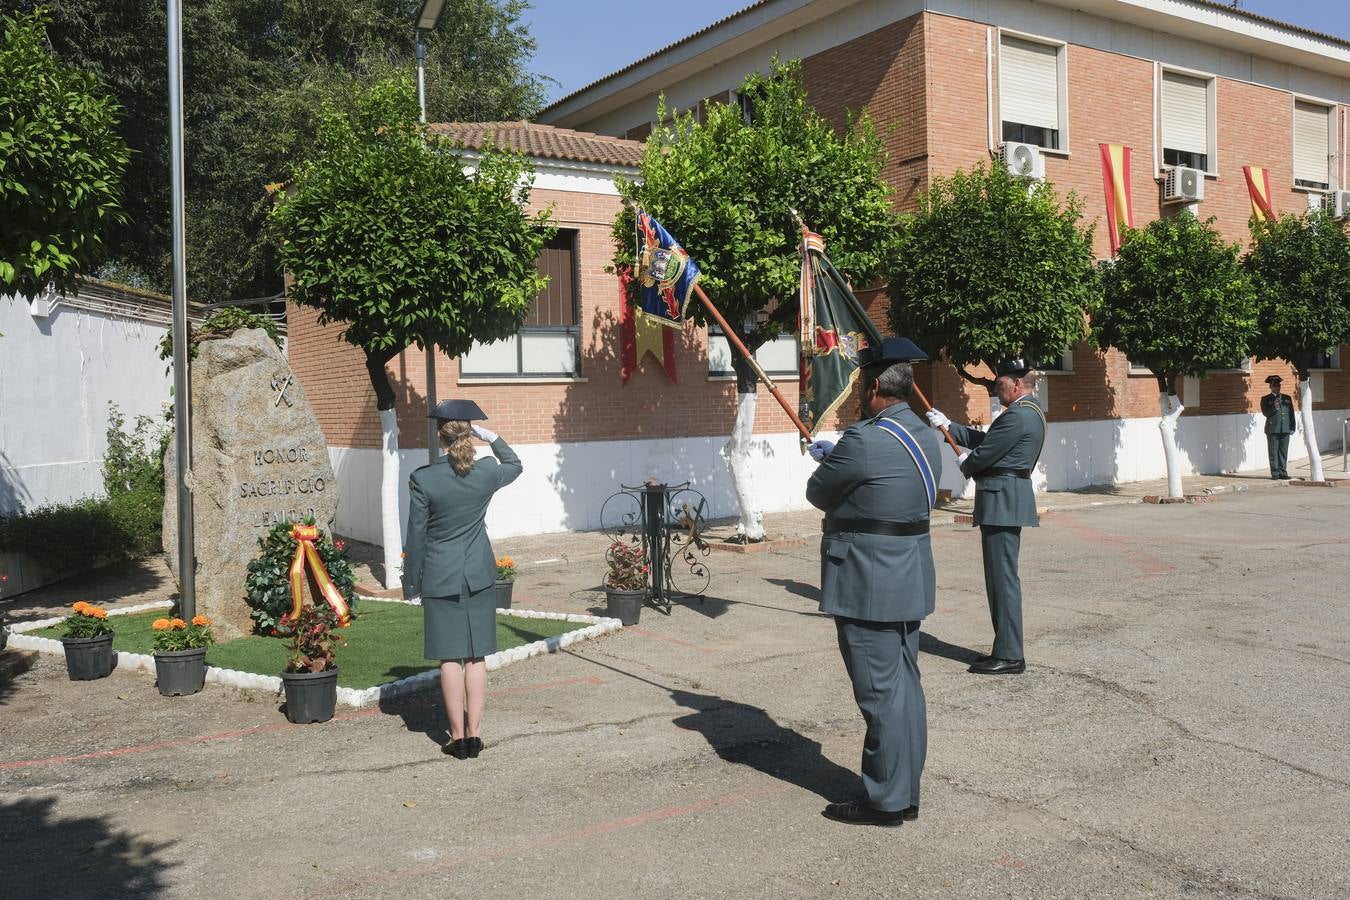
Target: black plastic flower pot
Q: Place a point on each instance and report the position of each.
(310, 696)
(504, 594)
(626, 606)
(89, 658)
(180, 672)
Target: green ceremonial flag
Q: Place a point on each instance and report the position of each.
(833, 327)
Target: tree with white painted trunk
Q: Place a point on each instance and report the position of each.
(1176, 301)
(1300, 266)
(407, 244)
(991, 267)
(723, 184)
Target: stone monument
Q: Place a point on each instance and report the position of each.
(258, 458)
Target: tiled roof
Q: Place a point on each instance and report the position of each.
(542, 141)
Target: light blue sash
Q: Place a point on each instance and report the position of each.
(897, 431)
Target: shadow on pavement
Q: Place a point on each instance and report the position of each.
(938, 647)
(748, 736)
(53, 855)
(421, 714)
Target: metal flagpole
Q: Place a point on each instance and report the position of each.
(433, 447)
(182, 353)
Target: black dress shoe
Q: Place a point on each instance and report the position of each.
(857, 812)
(993, 666)
(475, 746)
(910, 813)
(458, 748)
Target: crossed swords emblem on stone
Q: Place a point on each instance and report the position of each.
(281, 386)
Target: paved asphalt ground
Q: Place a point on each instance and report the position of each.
(1183, 729)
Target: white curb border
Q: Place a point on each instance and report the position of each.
(596, 626)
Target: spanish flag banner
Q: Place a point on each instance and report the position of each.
(1258, 185)
(1116, 178)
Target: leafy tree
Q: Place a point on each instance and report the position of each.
(61, 163)
(988, 269)
(1300, 266)
(257, 75)
(392, 238)
(724, 188)
(1177, 301)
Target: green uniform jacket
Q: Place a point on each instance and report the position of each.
(870, 475)
(1014, 441)
(446, 550)
(1281, 420)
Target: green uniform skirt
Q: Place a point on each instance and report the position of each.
(463, 627)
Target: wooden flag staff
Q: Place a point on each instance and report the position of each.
(754, 363)
(740, 346)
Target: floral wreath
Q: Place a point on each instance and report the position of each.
(267, 587)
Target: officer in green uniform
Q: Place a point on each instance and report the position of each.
(1279, 412)
(876, 487)
(449, 564)
(1000, 460)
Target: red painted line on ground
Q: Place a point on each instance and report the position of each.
(548, 841)
(1147, 563)
(265, 729)
(670, 640)
(547, 685)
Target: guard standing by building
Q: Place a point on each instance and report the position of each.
(1001, 460)
(877, 487)
(1278, 409)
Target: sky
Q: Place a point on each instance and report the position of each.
(618, 32)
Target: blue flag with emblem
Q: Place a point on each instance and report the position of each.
(666, 273)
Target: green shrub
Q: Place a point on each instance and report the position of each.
(134, 460)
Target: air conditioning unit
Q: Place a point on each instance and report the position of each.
(1337, 204)
(1183, 185)
(1024, 160)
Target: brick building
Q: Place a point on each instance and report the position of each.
(1182, 82)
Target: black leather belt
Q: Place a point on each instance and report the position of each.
(831, 525)
(999, 470)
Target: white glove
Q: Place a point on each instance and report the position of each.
(819, 449)
(415, 601)
(962, 458)
(483, 433)
(937, 419)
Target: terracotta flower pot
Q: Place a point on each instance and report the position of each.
(89, 658)
(310, 696)
(180, 672)
(504, 594)
(626, 606)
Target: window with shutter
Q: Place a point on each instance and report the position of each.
(1029, 92)
(1185, 121)
(549, 340)
(1312, 145)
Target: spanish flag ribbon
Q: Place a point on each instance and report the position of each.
(1116, 179)
(1258, 185)
(305, 536)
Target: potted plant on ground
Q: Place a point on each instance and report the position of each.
(626, 583)
(310, 678)
(87, 638)
(180, 654)
(506, 580)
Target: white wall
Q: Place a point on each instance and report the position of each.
(564, 485)
(57, 375)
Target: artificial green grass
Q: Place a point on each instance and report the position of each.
(384, 643)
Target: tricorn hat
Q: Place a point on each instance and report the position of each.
(1273, 379)
(461, 410)
(892, 350)
(1013, 368)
